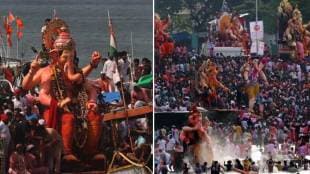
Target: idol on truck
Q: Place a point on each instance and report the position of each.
(293, 32)
(229, 30)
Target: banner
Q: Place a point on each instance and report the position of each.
(261, 47)
(257, 30)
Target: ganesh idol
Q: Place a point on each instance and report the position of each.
(65, 92)
(196, 138)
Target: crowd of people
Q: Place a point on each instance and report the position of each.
(173, 81)
(279, 123)
(233, 145)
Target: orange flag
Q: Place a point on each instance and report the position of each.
(19, 23)
(20, 27)
(9, 31)
(11, 17)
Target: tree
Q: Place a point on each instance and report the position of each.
(267, 11)
(201, 12)
(168, 7)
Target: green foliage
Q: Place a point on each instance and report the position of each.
(181, 23)
(267, 11)
(202, 12)
(168, 7)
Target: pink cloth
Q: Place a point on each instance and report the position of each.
(300, 50)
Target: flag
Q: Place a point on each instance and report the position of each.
(11, 17)
(9, 30)
(112, 47)
(20, 27)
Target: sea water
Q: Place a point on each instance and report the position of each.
(88, 22)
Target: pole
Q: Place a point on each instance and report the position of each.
(109, 36)
(17, 48)
(3, 48)
(17, 42)
(256, 24)
(54, 14)
(131, 62)
(8, 52)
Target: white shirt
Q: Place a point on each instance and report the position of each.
(171, 144)
(110, 69)
(270, 148)
(5, 132)
(17, 103)
(162, 144)
(123, 68)
(183, 108)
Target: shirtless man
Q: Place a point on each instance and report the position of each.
(105, 84)
(140, 96)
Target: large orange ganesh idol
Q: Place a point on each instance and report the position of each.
(64, 90)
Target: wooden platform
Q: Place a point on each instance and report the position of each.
(225, 110)
(93, 172)
(131, 113)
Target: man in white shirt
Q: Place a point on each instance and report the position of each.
(19, 102)
(110, 70)
(124, 65)
(171, 144)
(162, 144)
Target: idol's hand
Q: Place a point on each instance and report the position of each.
(226, 89)
(35, 65)
(95, 58)
(64, 102)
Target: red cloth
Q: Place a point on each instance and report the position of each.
(300, 50)
(4, 117)
(51, 116)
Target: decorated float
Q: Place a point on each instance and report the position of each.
(294, 33)
(227, 36)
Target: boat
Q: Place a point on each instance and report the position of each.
(130, 113)
(133, 165)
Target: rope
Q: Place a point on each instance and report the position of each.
(129, 161)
